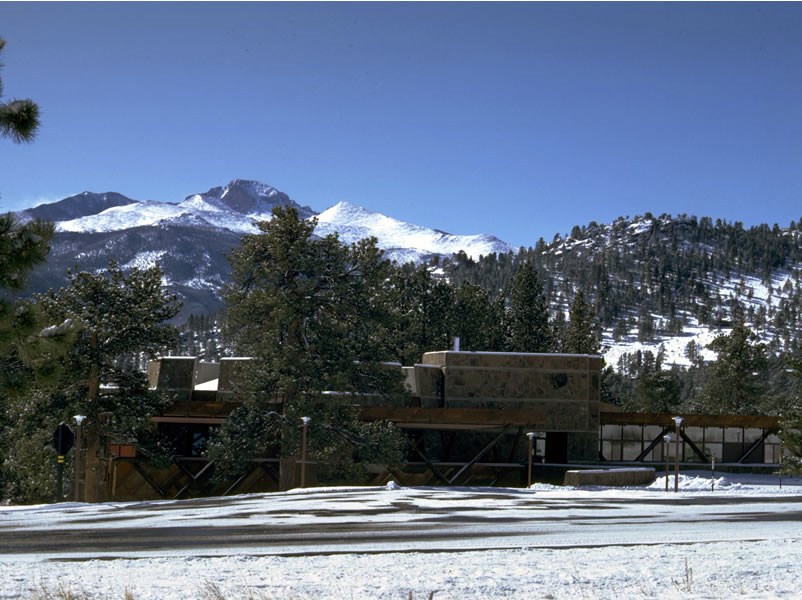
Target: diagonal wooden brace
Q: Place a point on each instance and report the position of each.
(476, 458)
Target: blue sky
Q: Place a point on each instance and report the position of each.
(517, 119)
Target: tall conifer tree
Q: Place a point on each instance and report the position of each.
(581, 333)
(314, 315)
(528, 327)
(737, 377)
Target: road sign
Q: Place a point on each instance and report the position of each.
(63, 438)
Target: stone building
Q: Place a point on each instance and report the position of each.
(471, 418)
(467, 418)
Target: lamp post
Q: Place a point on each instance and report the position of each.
(666, 448)
(677, 423)
(303, 451)
(531, 436)
(712, 471)
(77, 466)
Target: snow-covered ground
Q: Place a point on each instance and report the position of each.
(746, 541)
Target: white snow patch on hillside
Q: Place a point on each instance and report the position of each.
(199, 283)
(116, 218)
(673, 347)
(192, 212)
(353, 223)
(145, 260)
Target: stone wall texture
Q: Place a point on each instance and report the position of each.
(611, 477)
(565, 386)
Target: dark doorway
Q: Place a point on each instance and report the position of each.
(556, 447)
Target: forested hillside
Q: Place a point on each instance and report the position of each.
(691, 316)
(665, 298)
(656, 275)
(676, 298)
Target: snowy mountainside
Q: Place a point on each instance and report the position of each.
(237, 206)
(75, 207)
(401, 240)
(660, 283)
(234, 207)
(190, 239)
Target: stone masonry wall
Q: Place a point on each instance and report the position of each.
(565, 386)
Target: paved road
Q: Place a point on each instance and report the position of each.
(401, 520)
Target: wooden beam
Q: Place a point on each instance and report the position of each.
(435, 471)
(478, 456)
(184, 408)
(756, 445)
(699, 454)
(657, 440)
(630, 418)
(193, 478)
(468, 417)
(239, 480)
(148, 479)
(189, 420)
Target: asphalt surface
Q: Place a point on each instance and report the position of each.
(417, 520)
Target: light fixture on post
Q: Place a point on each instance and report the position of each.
(531, 436)
(303, 451)
(77, 459)
(677, 423)
(666, 448)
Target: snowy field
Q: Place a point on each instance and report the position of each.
(744, 539)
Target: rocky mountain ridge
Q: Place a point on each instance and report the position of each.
(190, 239)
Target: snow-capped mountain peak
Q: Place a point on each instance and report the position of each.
(234, 207)
(190, 239)
(353, 223)
(239, 205)
(249, 198)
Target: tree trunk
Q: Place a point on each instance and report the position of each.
(95, 474)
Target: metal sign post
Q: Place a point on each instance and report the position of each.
(677, 423)
(77, 458)
(303, 451)
(63, 440)
(713, 473)
(531, 436)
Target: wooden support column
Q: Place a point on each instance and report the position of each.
(642, 438)
(287, 473)
(602, 458)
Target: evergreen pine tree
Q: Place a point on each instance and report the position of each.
(19, 119)
(314, 314)
(112, 316)
(527, 319)
(581, 334)
(423, 310)
(476, 320)
(736, 379)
